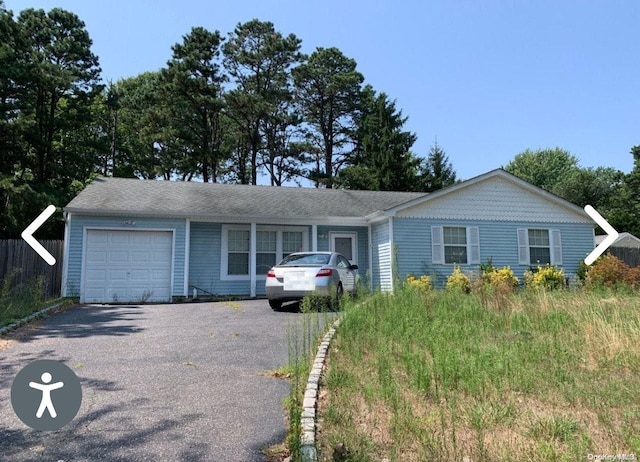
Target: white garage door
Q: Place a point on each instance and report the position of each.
(127, 266)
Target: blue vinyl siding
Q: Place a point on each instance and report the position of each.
(71, 286)
(205, 260)
(498, 241)
(204, 257)
(363, 241)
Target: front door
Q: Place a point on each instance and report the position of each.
(345, 244)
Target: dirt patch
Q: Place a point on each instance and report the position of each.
(5, 343)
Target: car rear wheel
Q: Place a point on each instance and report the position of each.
(275, 305)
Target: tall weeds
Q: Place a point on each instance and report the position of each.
(490, 376)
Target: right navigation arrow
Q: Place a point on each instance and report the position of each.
(612, 234)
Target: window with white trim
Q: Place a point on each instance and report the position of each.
(266, 251)
(238, 254)
(455, 245)
(273, 243)
(539, 246)
(292, 241)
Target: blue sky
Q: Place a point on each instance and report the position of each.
(488, 78)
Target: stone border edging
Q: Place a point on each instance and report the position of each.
(309, 403)
(20, 322)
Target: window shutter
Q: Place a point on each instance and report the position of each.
(473, 239)
(437, 247)
(556, 247)
(523, 246)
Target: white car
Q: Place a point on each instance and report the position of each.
(304, 273)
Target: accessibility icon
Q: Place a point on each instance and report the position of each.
(46, 395)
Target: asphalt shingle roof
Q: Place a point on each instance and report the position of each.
(178, 198)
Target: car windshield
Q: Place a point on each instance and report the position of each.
(306, 259)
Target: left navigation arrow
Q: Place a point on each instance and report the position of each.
(27, 235)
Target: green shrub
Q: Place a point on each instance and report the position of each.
(458, 281)
(423, 283)
(581, 273)
(547, 277)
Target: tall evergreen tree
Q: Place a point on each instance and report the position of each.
(437, 171)
(194, 79)
(382, 159)
(259, 59)
(48, 85)
(328, 89)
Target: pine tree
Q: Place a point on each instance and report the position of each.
(437, 172)
(383, 159)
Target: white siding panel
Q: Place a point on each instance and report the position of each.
(380, 269)
(494, 199)
(384, 259)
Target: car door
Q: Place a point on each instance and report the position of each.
(347, 275)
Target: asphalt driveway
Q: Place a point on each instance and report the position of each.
(160, 382)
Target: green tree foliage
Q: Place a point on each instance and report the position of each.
(49, 80)
(259, 59)
(328, 89)
(194, 79)
(437, 171)
(382, 157)
(545, 168)
(615, 195)
(594, 186)
(143, 144)
(623, 211)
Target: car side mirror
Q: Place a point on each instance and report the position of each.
(353, 267)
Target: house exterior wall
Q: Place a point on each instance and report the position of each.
(497, 199)
(498, 241)
(77, 224)
(205, 256)
(204, 260)
(362, 244)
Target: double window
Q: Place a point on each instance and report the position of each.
(272, 245)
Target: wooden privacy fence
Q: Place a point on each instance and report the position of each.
(628, 255)
(17, 258)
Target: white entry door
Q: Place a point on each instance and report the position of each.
(345, 244)
(127, 266)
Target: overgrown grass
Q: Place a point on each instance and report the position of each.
(303, 342)
(21, 301)
(493, 377)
